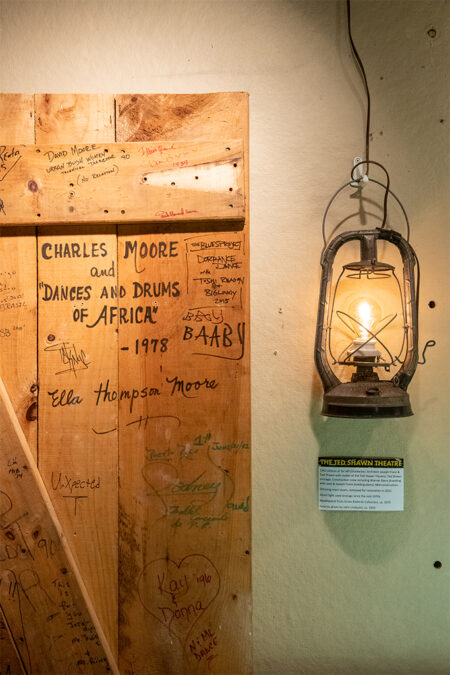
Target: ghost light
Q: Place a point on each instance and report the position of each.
(367, 327)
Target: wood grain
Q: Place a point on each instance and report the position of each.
(74, 118)
(184, 447)
(16, 118)
(42, 597)
(18, 284)
(18, 314)
(9, 658)
(189, 117)
(79, 467)
(175, 390)
(104, 183)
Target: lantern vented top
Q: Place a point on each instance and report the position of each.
(368, 265)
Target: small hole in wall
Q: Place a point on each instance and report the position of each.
(172, 183)
(437, 564)
(432, 32)
(432, 304)
(71, 184)
(230, 189)
(235, 164)
(122, 212)
(145, 177)
(38, 215)
(105, 211)
(227, 149)
(230, 205)
(106, 150)
(196, 177)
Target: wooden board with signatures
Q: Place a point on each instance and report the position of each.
(121, 182)
(134, 392)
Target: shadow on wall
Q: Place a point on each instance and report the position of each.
(370, 538)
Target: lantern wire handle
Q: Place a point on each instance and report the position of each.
(371, 180)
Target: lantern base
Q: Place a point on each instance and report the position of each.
(366, 399)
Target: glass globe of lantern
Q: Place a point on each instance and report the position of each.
(366, 315)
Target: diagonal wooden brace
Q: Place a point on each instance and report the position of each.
(43, 600)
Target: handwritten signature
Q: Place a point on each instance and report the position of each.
(215, 316)
(70, 356)
(8, 160)
(172, 214)
(150, 151)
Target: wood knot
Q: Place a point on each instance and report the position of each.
(31, 413)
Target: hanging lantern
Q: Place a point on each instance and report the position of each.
(366, 348)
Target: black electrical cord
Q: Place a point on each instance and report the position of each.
(367, 160)
(363, 75)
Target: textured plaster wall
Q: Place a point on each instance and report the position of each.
(334, 593)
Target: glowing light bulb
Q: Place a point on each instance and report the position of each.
(365, 318)
(366, 314)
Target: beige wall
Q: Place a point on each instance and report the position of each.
(334, 593)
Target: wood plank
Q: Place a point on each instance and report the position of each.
(18, 283)
(104, 183)
(78, 466)
(43, 600)
(9, 659)
(16, 118)
(189, 117)
(75, 118)
(18, 314)
(184, 442)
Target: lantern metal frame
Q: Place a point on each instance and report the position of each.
(367, 396)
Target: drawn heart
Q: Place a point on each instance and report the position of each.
(178, 594)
